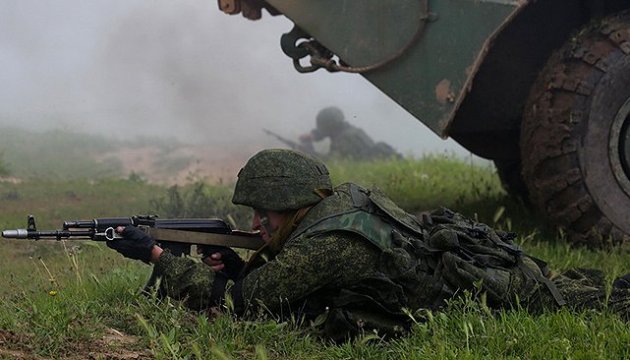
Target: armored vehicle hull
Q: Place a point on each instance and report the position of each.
(542, 88)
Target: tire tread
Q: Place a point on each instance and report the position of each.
(554, 116)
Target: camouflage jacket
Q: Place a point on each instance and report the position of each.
(357, 261)
(323, 267)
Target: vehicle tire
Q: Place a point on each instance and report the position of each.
(509, 172)
(575, 136)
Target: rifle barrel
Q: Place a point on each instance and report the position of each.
(47, 234)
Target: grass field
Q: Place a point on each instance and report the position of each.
(80, 300)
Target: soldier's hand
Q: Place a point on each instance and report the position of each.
(224, 259)
(211, 255)
(135, 244)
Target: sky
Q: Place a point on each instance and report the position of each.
(182, 69)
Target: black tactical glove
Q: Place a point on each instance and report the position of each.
(135, 244)
(233, 263)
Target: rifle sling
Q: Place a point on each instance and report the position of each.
(241, 240)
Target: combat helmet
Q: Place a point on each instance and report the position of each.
(281, 180)
(330, 120)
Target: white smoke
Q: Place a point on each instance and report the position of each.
(176, 68)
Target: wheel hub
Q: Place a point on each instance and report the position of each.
(619, 146)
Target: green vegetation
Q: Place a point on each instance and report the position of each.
(79, 299)
(202, 200)
(4, 170)
(56, 154)
(420, 185)
(61, 155)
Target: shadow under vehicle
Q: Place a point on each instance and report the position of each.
(542, 87)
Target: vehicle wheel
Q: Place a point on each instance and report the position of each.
(575, 136)
(509, 172)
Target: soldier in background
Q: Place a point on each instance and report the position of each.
(346, 140)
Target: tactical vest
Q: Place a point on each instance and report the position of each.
(368, 213)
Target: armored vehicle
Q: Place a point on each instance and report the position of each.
(542, 87)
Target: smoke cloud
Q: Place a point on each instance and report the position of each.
(179, 69)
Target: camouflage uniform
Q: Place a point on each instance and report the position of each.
(346, 140)
(356, 260)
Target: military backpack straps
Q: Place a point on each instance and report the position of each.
(368, 213)
(486, 253)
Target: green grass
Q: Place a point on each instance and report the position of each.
(60, 154)
(72, 299)
(54, 201)
(4, 170)
(420, 185)
(56, 154)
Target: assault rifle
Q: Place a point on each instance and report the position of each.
(305, 147)
(177, 234)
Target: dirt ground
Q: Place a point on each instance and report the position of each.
(112, 346)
